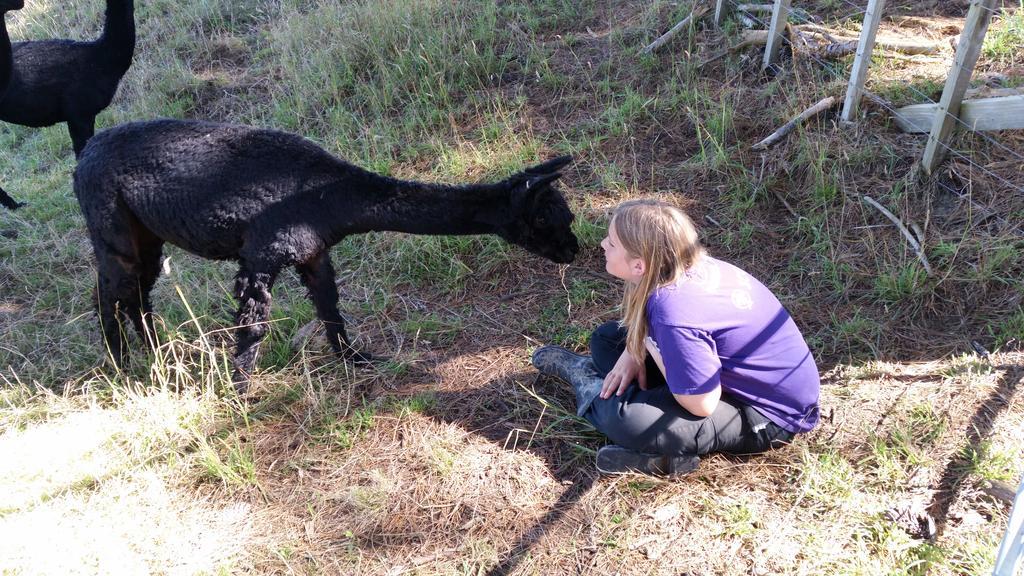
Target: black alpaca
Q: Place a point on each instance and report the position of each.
(67, 81)
(270, 199)
(6, 66)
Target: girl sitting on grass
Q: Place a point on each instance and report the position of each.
(718, 363)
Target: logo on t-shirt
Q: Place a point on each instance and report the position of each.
(742, 300)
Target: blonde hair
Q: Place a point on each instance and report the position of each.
(665, 238)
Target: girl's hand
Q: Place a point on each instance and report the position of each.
(622, 375)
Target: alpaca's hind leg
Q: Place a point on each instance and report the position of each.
(141, 313)
(253, 292)
(80, 131)
(113, 291)
(318, 277)
(125, 252)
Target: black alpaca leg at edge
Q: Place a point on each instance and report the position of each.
(80, 132)
(7, 202)
(317, 276)
(253, 292)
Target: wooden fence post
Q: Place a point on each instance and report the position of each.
(721, 6)
(967, 52)
(865, 45)
(780, 14)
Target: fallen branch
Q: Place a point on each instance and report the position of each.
(821, 106)
(750, 38)
(841, 48)
(695, 14)
(755, 7)
(905, 47)
(825, 30)
(842, 43)
(906, 233)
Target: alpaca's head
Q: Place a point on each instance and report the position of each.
(6, 5)
(539, 219)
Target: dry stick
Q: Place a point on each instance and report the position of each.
(842, 48)
(836, 48)
(821, 106)
(903, 229)
(755, 7)
(750, 38)
(842, 37)
(695, 14)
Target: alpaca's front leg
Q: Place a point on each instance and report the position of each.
(81, 130)
(253, 292)
(317, 275)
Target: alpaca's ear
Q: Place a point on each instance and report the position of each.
(550, 166)
(528, 190)
(540, 181)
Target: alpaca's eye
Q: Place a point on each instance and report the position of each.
(542, 221)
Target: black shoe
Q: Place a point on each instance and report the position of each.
(561, 363)
(575, 369)
(614, 459)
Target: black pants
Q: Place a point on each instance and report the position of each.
(652, 421)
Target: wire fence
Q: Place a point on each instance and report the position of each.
(956, 118)
(881, 102)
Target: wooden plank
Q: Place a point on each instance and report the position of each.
(721, 8)
(1002, 113)
(967, 52)
(776, 28)
(865, 44)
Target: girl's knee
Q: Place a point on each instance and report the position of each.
(607, 336)
(610, 330)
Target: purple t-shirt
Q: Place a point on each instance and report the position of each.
(719, 326)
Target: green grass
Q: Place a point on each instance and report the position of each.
(985, 462)
(437, 329)
(1005, 36)
(1010, 329)
(904, 284)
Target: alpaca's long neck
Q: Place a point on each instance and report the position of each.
(119, 31)
(376, 203)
